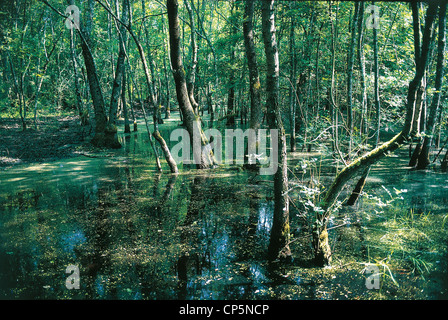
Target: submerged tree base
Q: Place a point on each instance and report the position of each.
(107, 139)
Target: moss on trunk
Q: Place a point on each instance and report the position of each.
(322, 250)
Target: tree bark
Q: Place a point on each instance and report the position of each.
(83, 114)
(423, 159)
(111, 131)
(192, 122)
(292, 87)
(127, 128)
(95, 93)
(194, 59)
(279, 238)
(256, 113)
(363, 126)
(231, 94)
(351, 62)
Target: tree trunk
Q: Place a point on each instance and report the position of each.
(83, 114)
(192, 122)
(292, 87)
(231, 94)
(111, 132)
(256, 113)
(167, 92)
(331, 98)
(423, 159)
(194, 59)
(95, 93)
(279, 239)
(363, 126)
(127, 128)
(351, 62)
(168, 157)
(418, 120)
(444, 164)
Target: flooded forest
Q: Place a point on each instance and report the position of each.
(223, 150)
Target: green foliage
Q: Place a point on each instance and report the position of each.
(401, 238)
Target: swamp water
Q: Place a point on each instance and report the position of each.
(137, 234)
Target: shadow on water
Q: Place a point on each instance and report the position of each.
(138, 234)
(133, 233)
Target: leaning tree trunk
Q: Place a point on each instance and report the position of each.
(279, 238)
(171, 162)
(95, 93)
(321, 246)
(100, 138)
(191, 120)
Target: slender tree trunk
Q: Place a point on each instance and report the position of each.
(362, 181)
(127, 128)
(231, 94)
(363, 126)
(292, 87)
(166, 64)
(418, 121)
(168, 101)
(194, 58)
(111, 130)
(192, 122)
(423, 160)
(130, 91)
(351, 63)
(279, 239)
(333, 106)
(153, 95)
(256, 113)
(119, 70)
(83, 114)
(95, 93)
(377, 86)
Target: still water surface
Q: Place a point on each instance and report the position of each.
(137, 234)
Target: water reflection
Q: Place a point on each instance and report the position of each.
(138, 234)
(134, 234)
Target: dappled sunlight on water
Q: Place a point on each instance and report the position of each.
(138, 234)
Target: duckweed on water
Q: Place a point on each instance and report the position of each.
(136, 234)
